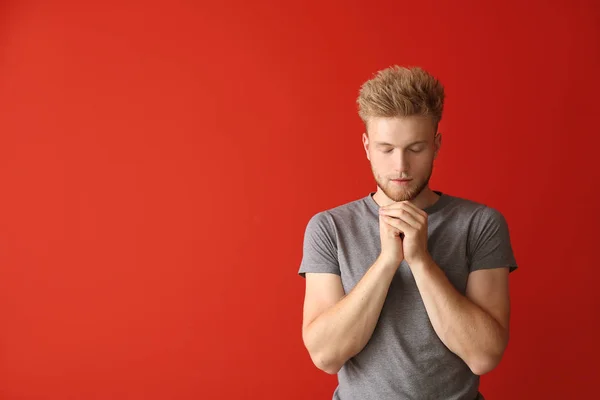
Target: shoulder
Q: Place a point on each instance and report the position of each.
(483, 223)
(475, 210)
(341, 213)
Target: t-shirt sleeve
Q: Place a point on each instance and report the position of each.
(490, 245)
(320, 246)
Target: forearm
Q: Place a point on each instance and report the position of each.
(344, 329)
(465, 328)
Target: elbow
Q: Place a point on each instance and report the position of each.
(323, 360)
(485, 362)
(483, 365)
(325, 363)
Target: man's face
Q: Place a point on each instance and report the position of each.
(401, 151)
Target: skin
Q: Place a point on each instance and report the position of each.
(337, 326)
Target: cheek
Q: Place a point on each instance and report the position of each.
(377, 160)
(379, 166)
(422, 164)
(383, 165)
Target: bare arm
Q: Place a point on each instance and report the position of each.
(337, 327)
(475, 326)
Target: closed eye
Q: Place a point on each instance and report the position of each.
(413, 150)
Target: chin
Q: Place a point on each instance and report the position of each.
(400, 195)
(403, 194)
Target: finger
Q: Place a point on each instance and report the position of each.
(399, 224)
(417, 213)
(382, 221)
(415, 208)
(385, 227)
(404, 214)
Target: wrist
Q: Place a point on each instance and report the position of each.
(423, 262)
(386, 262)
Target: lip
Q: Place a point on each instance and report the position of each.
(401, 181)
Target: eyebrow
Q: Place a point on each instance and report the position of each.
(409, 145)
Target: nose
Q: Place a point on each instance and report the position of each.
(401, 163)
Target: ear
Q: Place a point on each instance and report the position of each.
(365, 140)
(437, 144)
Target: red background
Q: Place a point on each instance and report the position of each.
(159, 163)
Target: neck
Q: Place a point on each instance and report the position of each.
(425, 199)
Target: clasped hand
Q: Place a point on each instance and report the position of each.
(407, 219)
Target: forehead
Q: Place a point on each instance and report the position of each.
(400, 130)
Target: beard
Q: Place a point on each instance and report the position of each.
(399, 193)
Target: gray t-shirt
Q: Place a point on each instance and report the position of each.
(405, 359)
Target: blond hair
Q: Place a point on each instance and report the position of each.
(401, 92)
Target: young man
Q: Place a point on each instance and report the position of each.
(407, 288)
